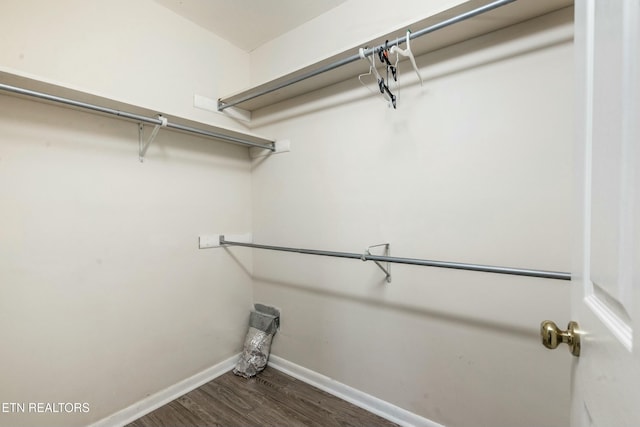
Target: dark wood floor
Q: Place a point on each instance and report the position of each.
(270, 399)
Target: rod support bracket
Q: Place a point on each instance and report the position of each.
(387, 252)
(144, 146)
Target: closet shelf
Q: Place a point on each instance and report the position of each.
(25, 87)
(341, 67)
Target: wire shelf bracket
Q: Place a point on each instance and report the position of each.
(144, 146)
(387, 253)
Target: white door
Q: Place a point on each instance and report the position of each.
(606, 276)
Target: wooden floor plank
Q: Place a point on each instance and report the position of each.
(169, 415)
(199, 403)
(270, 399)
(251, 407)
(270, 411)
(350, 413)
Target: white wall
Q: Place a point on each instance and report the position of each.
(473, 167)
(137, 52)
(105, 297)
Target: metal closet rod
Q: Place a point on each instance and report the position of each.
(136, 117)
(222, 104)
(412, 261)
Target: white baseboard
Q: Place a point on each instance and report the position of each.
(363, 400)
(153, 402)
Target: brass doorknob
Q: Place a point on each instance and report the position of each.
(552, 336)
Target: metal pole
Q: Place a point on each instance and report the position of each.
(132, 116)
(226, 138)
(222, 104)
(411, 261)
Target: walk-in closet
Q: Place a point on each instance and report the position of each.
(438, 200)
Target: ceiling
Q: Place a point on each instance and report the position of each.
(249, 24)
